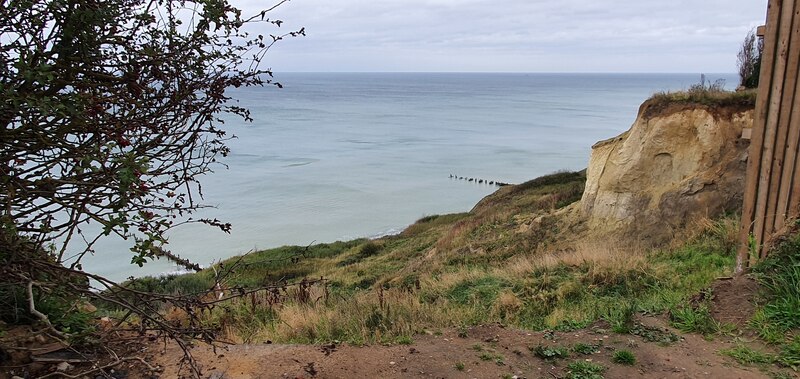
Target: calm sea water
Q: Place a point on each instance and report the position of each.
(339, 156)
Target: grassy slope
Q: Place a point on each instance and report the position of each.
(497, 263)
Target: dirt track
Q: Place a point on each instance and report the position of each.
(485, 352)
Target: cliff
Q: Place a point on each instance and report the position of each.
(677, 162)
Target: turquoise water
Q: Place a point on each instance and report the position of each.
(341, 156)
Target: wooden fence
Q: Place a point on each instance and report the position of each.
(772, 186)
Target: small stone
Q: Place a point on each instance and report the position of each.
(64, 366)
(392, 363)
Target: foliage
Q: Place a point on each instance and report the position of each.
(749, 60)
(111, 112)
(624, 357)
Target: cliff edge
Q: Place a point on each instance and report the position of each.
(678, 162)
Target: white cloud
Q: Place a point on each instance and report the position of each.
(514, 35)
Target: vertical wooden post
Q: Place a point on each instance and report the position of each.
(758, 134)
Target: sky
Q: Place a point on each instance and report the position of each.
(614, 36)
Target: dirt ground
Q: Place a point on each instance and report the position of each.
(484, 352)
(493, 351)
(489, 351)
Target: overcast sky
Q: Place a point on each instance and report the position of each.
(691, 36)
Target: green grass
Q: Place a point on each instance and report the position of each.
(748, 356)
(481, 292)
(790, 354)
(777, 321)
(624, 357)
(779, 275)
(585, 370)
(621, 318)
(459, 366)
(694, 319)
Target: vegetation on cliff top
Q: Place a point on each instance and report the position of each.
(499, 263)
(705, 93)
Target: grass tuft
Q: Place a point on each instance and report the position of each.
(624, 357)
(694, 319)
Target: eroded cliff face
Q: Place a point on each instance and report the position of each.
(676, 163)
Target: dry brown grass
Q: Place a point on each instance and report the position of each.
(600, 256)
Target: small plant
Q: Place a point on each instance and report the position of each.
(546, 352)
(462, 331)
(747, 356)
(585, 370)
(477, 347)
(624, 357)
(585, 349)
(404, 340)
(497, 358)
(459, 366)
(654, 334)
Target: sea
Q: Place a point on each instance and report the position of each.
(338, 156)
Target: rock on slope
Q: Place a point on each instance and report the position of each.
(676, 163)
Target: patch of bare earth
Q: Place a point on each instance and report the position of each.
(484, 352)
(733, 300)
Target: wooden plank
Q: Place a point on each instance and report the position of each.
(793, 206)
(789, 124)
(776, 215)
(761, 30)
(757, 141)
(747, 133)
(765, 184)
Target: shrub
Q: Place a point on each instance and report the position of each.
(749, 60)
